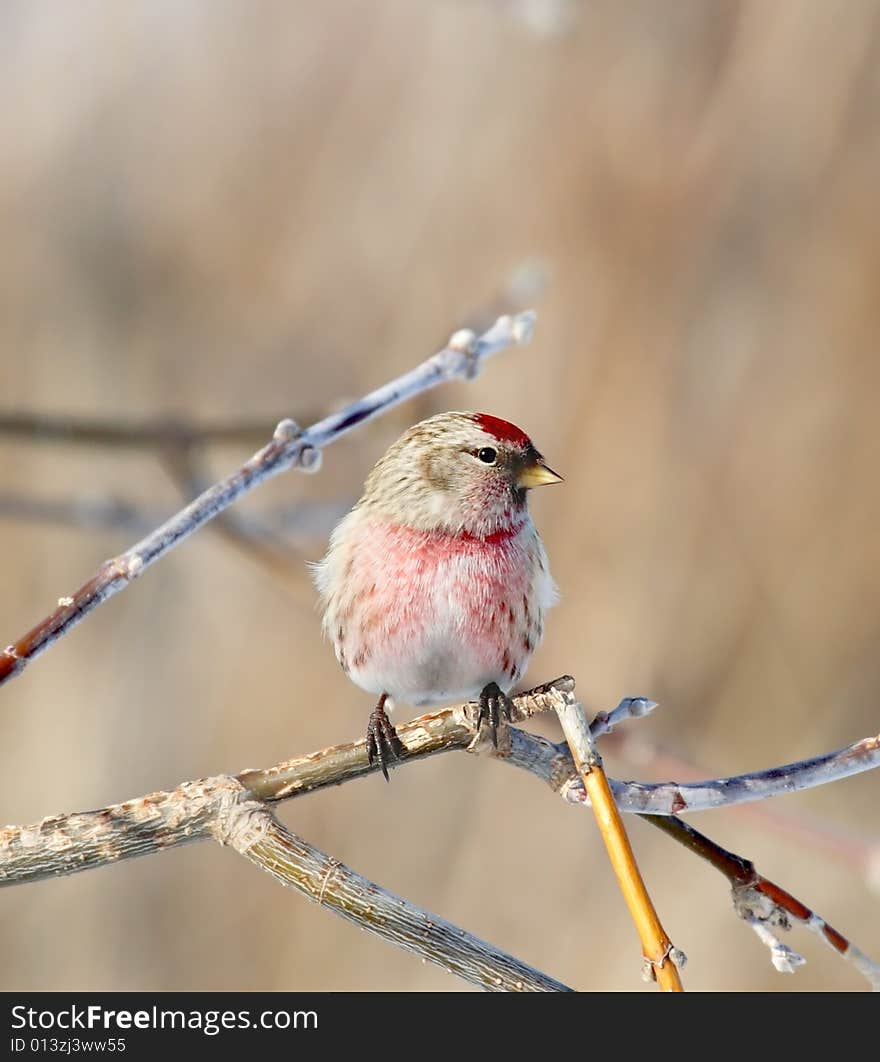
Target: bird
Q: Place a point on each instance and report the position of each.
(435, 584)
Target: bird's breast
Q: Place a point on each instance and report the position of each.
(429, 617)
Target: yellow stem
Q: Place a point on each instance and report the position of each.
(656, 945)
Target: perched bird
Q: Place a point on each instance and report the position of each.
(435, 585)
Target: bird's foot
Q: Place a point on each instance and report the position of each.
(383, 744)
(495, 710)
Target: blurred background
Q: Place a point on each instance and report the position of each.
(219, 214)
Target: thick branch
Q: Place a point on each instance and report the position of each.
(452, 728)
(290, 448)
(331, 884)
(426, 735)
(222, 809)
(67, 844)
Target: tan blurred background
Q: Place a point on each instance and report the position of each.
(238, 211)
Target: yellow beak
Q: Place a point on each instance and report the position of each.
(537, 475)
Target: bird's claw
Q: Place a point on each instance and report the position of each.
(496, 710)
(383, 744)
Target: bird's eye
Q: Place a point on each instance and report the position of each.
(487, 455)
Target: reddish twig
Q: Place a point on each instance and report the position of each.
(765, 905)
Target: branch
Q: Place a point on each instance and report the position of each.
(854, 849)
(331, 884)
(67, 844)
(764, 905)
(452, 728)
(661, 960)
(629, 708)
(673, 798)
(222, 809)
(426, 735)
(62, 845)
(523, 285)
(249, 535)
(289, 448)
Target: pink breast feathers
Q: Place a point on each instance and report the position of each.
(441, 611)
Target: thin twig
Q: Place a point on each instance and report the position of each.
(629, 708)
(661, 960)
(854, 849)
(674, 798)
(178, 441)
(763, 904)
(289, 448)
(523, 285)
(249, 535)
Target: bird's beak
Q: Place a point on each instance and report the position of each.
(537, 474)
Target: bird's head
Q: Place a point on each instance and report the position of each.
(458, 472)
